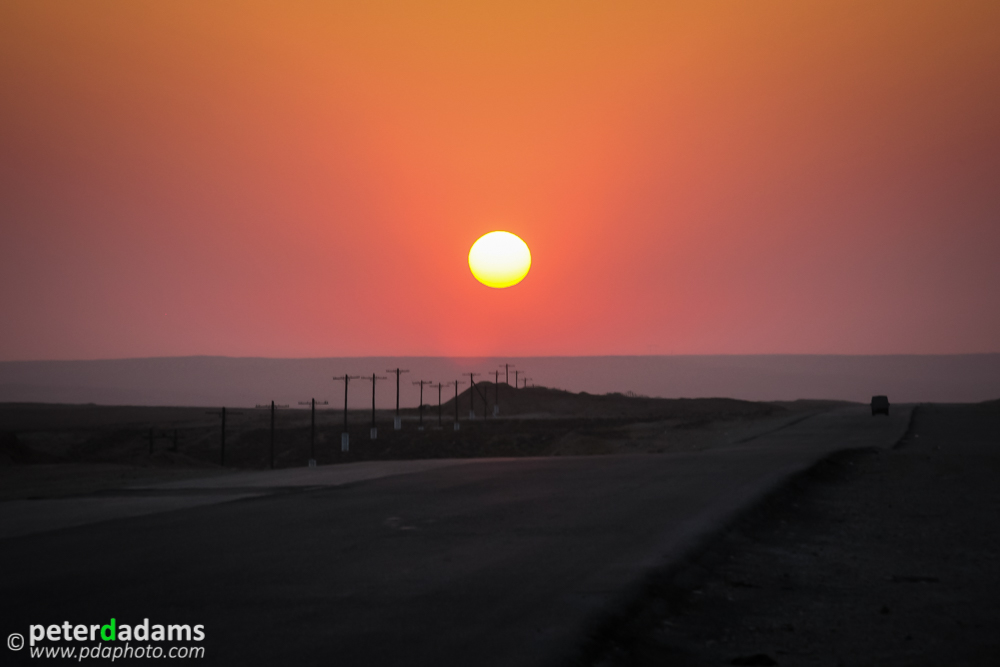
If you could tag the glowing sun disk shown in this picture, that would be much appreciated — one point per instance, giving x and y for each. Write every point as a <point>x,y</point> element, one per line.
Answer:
<point>499,259</point>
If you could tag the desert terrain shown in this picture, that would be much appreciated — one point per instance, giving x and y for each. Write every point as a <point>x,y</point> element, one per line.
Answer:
<point>51,450</point>
<point>569,530</point>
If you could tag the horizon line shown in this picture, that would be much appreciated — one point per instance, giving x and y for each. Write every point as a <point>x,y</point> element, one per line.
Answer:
<point>510,356</point>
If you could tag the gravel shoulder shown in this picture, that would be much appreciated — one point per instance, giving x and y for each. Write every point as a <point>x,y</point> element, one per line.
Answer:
<point>873,557</point>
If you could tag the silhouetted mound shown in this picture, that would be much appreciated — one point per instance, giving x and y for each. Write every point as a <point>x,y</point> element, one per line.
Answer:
<point>545,401</point>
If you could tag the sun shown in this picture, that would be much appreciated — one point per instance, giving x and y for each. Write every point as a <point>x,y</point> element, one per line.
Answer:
<point>499,259</point>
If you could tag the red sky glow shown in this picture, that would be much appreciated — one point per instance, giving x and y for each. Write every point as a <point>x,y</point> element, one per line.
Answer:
<point>297,179</point>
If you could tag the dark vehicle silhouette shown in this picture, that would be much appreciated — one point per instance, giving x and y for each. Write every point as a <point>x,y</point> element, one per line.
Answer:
<point>880,405</point>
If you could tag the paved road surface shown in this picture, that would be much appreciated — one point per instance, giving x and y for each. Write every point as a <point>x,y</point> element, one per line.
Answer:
<point>499,563</point>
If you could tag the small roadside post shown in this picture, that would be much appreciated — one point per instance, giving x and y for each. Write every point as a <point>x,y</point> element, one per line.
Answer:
<point>163,434</point>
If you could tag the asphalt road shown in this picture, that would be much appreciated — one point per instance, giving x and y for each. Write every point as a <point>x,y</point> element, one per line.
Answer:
<point>499,563</point>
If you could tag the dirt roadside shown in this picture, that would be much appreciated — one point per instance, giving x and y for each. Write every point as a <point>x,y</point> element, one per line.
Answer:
<point>871,558</point>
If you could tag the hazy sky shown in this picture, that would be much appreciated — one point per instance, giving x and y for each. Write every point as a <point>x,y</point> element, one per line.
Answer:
<point>306,178</point>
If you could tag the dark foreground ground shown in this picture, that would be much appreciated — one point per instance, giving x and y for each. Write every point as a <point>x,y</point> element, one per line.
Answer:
<point>877,557</point>
<point>489,562</point>
<point>873,557</point>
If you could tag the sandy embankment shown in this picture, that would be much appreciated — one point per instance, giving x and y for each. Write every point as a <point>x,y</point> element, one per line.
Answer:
<point>873,557</point>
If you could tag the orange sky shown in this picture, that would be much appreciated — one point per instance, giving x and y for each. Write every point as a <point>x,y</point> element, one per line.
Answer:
<point>306,179</point>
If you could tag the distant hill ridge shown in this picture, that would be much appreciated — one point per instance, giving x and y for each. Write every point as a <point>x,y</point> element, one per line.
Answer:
<point>546,401</point>
<point>241,381</point>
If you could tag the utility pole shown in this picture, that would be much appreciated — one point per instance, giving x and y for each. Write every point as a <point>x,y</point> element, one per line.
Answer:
<point>422,383</point>
<point>526,382</point>
<point>455,383</point>
<point>516,385</point>
<point>345,438</point>
<point>472,390</point>
<point>439,385</point>
<point>272,406</point>
<point>373,434</point>
<point>312,429</point>
<point>496,388</point>
<point>397,422</point>
<point>222,440</point>
<point>506,373</point>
